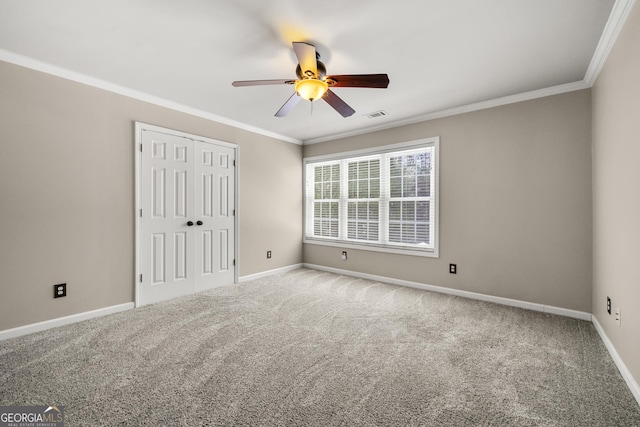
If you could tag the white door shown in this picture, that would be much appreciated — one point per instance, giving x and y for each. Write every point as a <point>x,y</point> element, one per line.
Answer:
<point>214,210</point>
<point>186,227</point>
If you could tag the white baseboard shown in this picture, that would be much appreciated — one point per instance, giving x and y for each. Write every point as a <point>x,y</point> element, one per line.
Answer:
<point>270,272</point>
<point>61,321</point>
<point>465,294</point>
<point>66,320</point>
<point>631,382</point>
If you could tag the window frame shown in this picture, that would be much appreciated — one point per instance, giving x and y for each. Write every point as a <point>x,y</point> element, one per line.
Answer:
<point>345,157</point>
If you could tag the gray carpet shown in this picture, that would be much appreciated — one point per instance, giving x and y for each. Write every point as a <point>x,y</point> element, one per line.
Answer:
<point>314,348</point>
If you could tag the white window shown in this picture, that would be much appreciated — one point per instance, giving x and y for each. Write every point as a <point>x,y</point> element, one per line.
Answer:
<point>384,199</point>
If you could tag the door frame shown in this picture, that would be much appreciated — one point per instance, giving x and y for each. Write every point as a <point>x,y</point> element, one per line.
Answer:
<point>141,127</point>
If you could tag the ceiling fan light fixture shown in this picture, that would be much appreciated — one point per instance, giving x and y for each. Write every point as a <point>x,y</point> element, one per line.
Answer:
<point>311,89</point>
<point>313,82</point>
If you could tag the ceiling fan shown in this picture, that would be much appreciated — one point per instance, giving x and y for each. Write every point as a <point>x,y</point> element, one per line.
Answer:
<point>313,83</point>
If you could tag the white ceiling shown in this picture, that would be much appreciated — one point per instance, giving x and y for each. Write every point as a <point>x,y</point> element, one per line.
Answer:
<point>439,54</point>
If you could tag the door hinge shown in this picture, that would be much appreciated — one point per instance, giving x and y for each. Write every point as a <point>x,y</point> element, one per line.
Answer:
<point>140,213</point>
<point>234,212</point>
<point>141,278</point>
<point>234,163</point>
<point>234,262</point>
<point>141,148</point>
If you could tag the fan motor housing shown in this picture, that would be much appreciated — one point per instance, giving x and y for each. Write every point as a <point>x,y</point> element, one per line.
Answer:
<point>322,71</point>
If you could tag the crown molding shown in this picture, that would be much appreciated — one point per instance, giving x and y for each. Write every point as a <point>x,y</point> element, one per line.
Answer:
<point>483,105</point>
<point>34,64</point>
<point>617,18</point>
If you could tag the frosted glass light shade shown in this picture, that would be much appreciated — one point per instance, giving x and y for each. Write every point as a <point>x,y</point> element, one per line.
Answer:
<point>311,89</point>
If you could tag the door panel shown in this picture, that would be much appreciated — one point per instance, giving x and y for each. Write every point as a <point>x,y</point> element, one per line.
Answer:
<point>207,252</point>
<point>158,254</point>
<point>224,250</point>
<point>212,202</point>
<point>165,239</point>
<point>180,256</point>
<point>226,212</point>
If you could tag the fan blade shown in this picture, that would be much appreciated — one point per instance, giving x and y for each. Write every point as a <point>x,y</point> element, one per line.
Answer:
<point>306,54</point>
<point>360,80</point>
<point>288,106</point>
<point>338,104</point>
<point>262,82</point>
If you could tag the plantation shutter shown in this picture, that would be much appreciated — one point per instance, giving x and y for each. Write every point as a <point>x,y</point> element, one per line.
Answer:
<point>384,200</point>
<point>363,200</point>
<point>410,197</point>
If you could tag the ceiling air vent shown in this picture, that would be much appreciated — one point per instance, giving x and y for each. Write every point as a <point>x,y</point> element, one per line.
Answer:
<point>376,114</point>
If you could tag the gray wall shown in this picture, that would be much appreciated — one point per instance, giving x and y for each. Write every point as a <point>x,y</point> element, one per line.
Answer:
<point>67,194</point>
<point>616,193</point>
<point>515,203</point>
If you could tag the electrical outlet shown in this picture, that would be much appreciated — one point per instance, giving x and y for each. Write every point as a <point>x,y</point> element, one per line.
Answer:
<point>453,268</point>
<point>60,290</point>
<point>618,316</point>
<point>609,306</point>
<point>268,254</point>
<point>344,255</point>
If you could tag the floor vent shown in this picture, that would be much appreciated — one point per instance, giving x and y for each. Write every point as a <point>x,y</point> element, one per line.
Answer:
<point>376,114</point>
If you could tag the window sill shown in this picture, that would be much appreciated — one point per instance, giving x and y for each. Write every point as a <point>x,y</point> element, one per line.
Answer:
<point>429,253</point>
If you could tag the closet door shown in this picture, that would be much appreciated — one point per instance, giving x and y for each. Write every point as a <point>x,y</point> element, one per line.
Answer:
<point>186,224</point>
<point>215,210</point>
<point>166,226</point>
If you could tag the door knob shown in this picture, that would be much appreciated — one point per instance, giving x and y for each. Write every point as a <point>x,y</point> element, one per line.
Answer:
<point>199,223</point>
<point>189,223</point>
